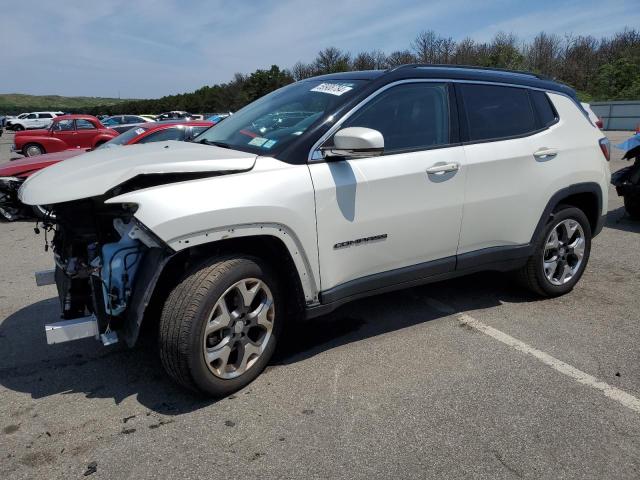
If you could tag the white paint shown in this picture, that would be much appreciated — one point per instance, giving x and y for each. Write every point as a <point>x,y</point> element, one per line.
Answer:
<point>613,393</point>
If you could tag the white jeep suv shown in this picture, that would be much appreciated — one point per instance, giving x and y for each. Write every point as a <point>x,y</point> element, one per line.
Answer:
<point>327,190</point>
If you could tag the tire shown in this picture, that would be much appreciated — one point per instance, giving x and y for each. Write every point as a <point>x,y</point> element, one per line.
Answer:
<point>632,205</point>
<point>32,150</point>
<point>539,273</point>
<point>17,128</point>
<point>186,317</point>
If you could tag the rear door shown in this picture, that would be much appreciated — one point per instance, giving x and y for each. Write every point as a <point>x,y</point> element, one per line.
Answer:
<point>44,120</point>
<point>506,140</point>
<point>380,214</point>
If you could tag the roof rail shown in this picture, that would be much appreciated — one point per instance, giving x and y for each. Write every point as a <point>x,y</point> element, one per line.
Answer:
<point>468,67</point>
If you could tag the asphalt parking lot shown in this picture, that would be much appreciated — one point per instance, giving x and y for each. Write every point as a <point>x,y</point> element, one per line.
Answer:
<point>470,378</point>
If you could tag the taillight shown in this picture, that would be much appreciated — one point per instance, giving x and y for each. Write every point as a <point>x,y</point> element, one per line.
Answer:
<point>605,146</point>
<point>599,123</point>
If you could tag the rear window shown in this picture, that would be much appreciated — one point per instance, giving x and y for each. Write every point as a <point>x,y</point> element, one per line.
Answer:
<point>543,106</point>
<point>497,112</point>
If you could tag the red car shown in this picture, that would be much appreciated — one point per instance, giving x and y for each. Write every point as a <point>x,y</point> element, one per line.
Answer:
<point>13,173</point>
<point>67,132</point>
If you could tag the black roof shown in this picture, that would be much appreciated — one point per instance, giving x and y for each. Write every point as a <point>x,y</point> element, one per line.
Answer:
<point>455,72</point>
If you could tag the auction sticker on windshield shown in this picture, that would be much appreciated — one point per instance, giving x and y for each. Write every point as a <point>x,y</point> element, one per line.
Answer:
<point>332,88</point>
<point>258,141</point>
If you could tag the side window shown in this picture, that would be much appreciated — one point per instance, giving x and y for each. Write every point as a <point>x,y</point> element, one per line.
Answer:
<point>45,115</point>
<point>174,133</point>
<point>63,126</point>
<point>495,112</point>
<point>132,119</point>
<point>544,108</point>
<point>82,124</point>
<point>410,116</point>
<point>31,116</point>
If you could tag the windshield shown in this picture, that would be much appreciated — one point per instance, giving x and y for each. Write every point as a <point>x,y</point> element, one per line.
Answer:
<point>279,118</point>
<point>123,138</point>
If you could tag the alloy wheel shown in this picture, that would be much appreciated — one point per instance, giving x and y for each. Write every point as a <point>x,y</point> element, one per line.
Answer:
<point>563,252</point>
<point>239,328</point>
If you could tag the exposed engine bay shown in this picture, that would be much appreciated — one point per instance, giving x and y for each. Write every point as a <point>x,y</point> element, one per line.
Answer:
<point>99,251</point>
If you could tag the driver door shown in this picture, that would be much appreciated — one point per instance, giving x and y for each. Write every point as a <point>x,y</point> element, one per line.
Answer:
<point>385,220</point>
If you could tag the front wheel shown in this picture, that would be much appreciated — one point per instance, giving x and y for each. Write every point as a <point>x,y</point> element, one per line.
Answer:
<point>632,205</point>
<point>220,324</point>
<point>32,150</point>
<point>561,254</point>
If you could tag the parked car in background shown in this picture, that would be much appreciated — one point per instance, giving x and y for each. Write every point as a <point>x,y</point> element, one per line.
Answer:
<point>597,121</point>
<point>13,174</point>
<point>218,117</point>
<point>115,120</point>
<point>65,133</point>
<point>150,118</point>
<point>34,120</point>
<point>122,123</point>
<point>176,115</point>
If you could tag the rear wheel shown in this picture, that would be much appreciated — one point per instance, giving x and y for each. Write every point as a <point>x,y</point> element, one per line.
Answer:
<point>220,324</point>
<point>32,150</point>
<point>561,254</point>
<point>632,205</point>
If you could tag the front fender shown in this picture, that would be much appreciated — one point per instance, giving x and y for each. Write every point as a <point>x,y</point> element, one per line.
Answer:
<point>274,198</point>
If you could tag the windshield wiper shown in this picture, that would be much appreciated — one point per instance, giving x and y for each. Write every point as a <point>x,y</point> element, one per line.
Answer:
<point>217,144</point>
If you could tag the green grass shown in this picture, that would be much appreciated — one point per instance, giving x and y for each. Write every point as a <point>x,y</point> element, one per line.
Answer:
<point>12,103</point>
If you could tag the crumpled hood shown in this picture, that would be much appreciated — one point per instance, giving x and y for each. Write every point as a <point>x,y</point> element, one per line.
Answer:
<point>24,166</point>
<point>96,172</point>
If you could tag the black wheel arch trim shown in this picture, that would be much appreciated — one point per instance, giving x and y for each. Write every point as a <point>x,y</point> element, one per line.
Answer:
<point>556,199</point>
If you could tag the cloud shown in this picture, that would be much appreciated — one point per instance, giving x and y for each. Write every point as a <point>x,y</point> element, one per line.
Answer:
<point>150,48</point>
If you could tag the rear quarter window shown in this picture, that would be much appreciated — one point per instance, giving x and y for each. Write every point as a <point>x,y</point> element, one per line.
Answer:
<point>493,112</point>
<point>546,113</point>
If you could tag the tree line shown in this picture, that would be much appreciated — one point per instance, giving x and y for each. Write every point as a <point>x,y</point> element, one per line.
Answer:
<point>605,68</point>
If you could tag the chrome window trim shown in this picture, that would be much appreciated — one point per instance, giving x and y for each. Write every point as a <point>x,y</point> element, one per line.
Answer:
<point>313,158</point>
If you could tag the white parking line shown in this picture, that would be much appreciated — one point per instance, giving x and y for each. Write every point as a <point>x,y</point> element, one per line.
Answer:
<point>620,396</point>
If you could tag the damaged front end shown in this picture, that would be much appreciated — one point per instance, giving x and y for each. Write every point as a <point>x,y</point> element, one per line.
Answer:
<point>10,207</point>
<point>107,264</point>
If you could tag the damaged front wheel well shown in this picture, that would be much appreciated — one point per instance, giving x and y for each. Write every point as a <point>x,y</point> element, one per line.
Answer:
<point>268,248</point>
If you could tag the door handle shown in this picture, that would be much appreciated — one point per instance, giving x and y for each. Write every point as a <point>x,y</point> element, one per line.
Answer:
<point>443,168</point>
<point>545,153</point>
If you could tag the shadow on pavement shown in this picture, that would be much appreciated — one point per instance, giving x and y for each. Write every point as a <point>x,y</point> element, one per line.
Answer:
<point>31,366</point>
<point>618,219</point>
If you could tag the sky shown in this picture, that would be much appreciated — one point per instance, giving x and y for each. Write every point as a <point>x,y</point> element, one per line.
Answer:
<point>151,48</point>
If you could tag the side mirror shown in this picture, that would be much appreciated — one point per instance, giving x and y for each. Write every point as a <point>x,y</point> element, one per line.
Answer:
<point>355,142</point>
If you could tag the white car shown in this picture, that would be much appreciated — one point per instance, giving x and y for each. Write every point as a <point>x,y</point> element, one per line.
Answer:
<point>34,120</point>
<point>330,189</point>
